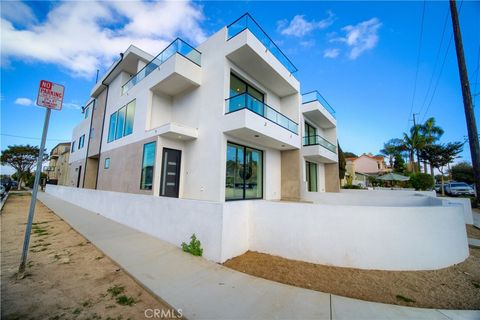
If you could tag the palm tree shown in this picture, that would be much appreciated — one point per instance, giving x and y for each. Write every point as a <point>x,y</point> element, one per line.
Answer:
<point>391,148</point>
<point>413,143</point>
<point>431,133</point>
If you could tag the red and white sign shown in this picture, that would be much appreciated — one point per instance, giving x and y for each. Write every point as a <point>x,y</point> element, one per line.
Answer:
<point>50,95</point>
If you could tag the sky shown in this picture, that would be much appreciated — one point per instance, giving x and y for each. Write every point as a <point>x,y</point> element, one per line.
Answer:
<point>376,63</point>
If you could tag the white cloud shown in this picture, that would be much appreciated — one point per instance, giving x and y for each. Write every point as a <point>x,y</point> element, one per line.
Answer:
<point>299,26</point>
<point>307,43</point>
<point>360,37</point>
<point>24,101</point>
<point>71,105</point>
<point>85,36</point>
<point>331,53</point>
<point>17,12</point>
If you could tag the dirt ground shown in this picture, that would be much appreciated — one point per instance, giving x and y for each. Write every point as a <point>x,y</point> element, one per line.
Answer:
<point>456,287</point>
<point>67,277</point>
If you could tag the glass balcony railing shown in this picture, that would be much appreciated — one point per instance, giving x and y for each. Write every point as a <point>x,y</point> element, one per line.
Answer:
<point>247,22</point>
<point>317,140</point>
<point>246,101</point>
<point>316,96</point>
<point>177,46</point>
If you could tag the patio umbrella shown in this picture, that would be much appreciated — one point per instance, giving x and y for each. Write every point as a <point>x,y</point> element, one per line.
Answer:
<point>393,177</point>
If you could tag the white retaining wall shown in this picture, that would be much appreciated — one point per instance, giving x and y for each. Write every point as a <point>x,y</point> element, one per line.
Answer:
<point>368,237</point>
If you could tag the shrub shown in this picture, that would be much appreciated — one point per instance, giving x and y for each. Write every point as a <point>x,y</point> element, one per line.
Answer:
<point>351,186</point>
<point>421,181</point>
<point>194,247</point>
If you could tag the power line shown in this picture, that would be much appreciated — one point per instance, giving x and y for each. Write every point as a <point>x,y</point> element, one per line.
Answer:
<point>418,62</point>
<point>436,61</point>
<point>438,78</point>
<point>441,70</point>
<point>32,138</point>
<point>477,71</point>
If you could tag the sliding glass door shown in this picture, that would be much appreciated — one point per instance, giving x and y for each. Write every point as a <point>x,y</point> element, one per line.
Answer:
<point>244,178</point>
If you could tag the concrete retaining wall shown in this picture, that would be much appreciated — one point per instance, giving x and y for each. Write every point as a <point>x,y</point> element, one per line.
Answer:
<point>385,238</point>
<point>369,237</point>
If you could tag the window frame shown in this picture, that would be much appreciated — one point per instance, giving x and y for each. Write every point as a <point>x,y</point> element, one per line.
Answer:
<point>143,161</point>
<point>105,165</point>
<point>308,165</point>
<point>244,162</point>
<point>247,86</point>
<point>113,125</point>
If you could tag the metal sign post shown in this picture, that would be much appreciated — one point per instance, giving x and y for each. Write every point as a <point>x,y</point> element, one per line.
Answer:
<point>50,96</point>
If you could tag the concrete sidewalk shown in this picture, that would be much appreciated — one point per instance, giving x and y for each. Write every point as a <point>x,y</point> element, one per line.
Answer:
<point>206,290</point>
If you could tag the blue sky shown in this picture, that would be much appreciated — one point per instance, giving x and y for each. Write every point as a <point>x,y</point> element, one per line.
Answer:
<point>361,56</point>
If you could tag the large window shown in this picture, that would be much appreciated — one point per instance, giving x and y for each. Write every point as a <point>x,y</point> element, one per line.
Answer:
<point>312,176</point>
<point>148,163</point>
<point>238,86</point>
<point>121,122</point>
<point>81,142</point>
<point>244,178</point>
<point>310,134</point>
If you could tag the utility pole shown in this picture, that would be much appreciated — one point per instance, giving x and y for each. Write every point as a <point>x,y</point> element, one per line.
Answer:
<point>416,131</point>
<point>467,99</point>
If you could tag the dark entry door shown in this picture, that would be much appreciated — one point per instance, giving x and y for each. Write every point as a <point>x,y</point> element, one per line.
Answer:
<point>79,175</point>
<point>170,173</point>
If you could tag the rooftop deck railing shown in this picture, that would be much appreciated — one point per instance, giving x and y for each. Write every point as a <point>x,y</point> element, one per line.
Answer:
<point>318,140</point>
<point>246,101</point>
<point>177,46</point>
<point>316,96</point>
<point>247,22</point>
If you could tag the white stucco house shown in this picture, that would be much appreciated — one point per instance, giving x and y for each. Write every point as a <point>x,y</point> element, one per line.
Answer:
<point>223,121</point>
<point>168,141</point>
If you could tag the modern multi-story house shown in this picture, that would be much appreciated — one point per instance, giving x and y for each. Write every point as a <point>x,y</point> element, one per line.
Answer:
<point>222,121</point>
<point>57,170</point>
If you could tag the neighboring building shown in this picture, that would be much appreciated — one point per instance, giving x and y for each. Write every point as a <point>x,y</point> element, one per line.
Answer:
<point>223,121</point>
<point>359,169</point>
<point>57,170</point>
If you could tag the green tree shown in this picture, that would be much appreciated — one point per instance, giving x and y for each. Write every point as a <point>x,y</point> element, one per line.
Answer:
<point>391,148</point>
<point>413,143</point>
<point>431,134</point>
<point>422,181</point>
<point>341,163</point>
<point>348,154</point>
<point>462,171</point>
<point>399,164</point>
<point>441,155</point>
<point>22,158</point>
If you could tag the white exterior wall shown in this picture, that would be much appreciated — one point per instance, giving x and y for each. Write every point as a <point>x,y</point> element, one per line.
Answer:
<point>362,236</point>
<point>365,237</point>
<point>83,128</point>
<point>202,174</point>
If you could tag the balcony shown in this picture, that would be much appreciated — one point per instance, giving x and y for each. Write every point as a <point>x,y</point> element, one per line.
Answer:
<point>318,149</point>
<point>316,108</point>
<point>176,131</point>
<point>176,69</point>
<point>251,49</point>
<point>250,119</point>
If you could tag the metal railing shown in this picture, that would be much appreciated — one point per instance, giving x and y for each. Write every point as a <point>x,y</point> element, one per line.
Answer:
<point>247,22</point>
<point>177,46</point>
<point>247,101</point>
<point>316,96</point>
<point>318,140</point>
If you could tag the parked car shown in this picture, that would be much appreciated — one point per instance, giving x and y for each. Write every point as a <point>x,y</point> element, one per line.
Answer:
<point>459,189</point>
<point>3,192</point>
<point>438,187</point>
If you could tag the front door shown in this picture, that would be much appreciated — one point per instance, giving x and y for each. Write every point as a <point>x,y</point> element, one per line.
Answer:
<point>170,173</point>
<point>79,175</point>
